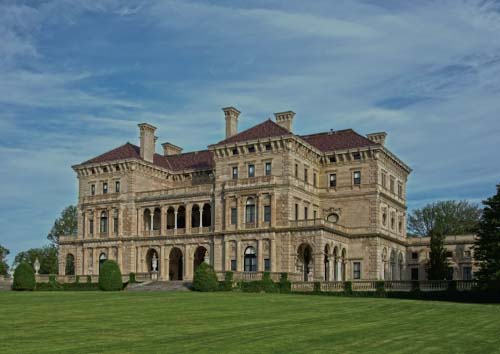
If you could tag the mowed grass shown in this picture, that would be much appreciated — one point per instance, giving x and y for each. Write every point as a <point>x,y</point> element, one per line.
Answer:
<point>91,322</point>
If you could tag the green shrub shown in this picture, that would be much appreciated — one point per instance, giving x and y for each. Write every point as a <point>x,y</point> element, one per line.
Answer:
<point>380,286</point>
<point>110,277</point>
<point>89,279</point>
<point>131,278</point>
<point>205,279</point>
<point>77,279</point>
<point>285,286</point>
<point>348,287</point>
<point>259,286</point>
<point>24,278</point>
<point>317,287</point>
<point>415,285</point>
<point>227,284</point>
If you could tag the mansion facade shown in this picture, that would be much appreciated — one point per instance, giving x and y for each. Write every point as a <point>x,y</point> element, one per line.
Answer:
<point>322,207</point>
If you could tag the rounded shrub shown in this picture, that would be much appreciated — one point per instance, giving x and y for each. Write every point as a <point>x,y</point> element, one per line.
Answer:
<point>110,277</point>
<point>205,278</point>
<point>24,278</point>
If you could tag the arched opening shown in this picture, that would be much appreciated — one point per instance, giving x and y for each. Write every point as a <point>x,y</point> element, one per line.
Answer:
<point>152,260</point>
<point>175,264</point>
<point>147,220</point>
<point>181,217</point>
<point>250,261</point>
<point>305,261</point>
<point>336,264</point>
<point>170,218</point>
<point>250,211</point>
<point>342,264</point>
<point>157,219</point>
<point>102,258</point>
<point>195,216</point>
<point>70,264</point>
<point>327,262</point>
<point>200,256</point>
<point>104,222</point>
<point>207,215</point>
<point>393,265</point>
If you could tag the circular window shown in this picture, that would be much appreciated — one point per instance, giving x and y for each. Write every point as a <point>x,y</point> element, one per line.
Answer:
<point>333,218</point>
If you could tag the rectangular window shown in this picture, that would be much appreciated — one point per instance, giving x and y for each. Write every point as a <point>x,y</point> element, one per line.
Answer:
<point>314,179</point>
<point>267,265</point>
<point>296,171</point>
<point>356,267</point>
<point>92,189</point>
<point>306,213</point>
<point>251,149</point>
<point>115,225</point>
<point>268,168</point>
<point>235,172</point>
<point>268,147</point>
<point>400,190</point>
<point>267,213</point>
<point>356,156</point>
<point>251,171</point>
<point>104,188</point>
<point>315,215</point>
<point>392,185</point>
<point>235,152</point>
<point>332,159</point>
<point>296,212</point>
<point>357,178</point>
<point>467,273</point>
<point>414,274</point>
<point>384,180</point>
<point>306,175</point>
<point>414,255</point>
<point>234,216</point>
<point>250,264</point>
<point>91,226</point>
<point>117,187</point>
<point>233,265</point>
<point>333,180</point>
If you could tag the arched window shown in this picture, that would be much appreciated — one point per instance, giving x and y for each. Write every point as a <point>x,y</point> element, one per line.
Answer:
<point>181,217</point>
<point>104,222</point>
<point>250,211</point>
<point>195,216</point>
<point>250,260</point>
<point>157,219</point>
<point>70,265</point>
<point>207,215</point>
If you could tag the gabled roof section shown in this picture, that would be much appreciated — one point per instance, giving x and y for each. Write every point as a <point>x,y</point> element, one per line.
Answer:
<point>197,160</point>
<point>266,129</point>
<point>337,140</point>
<point>127,151</point>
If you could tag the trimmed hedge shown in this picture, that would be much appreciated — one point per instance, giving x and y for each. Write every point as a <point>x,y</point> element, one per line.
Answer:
<point>67,287</point>
<point>24,278</point>
<point>285,285</point>
<point>110,277</point>
<point>205,279</point>
<point>227,284</point>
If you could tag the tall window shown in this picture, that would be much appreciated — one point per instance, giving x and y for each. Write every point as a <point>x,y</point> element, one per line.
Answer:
<point>467,273</point>
<point>296,170</point>
<point>251,170</point>
<point>233,265</point>
<point>314,179</point>
<point>104,222</point>
<point>296,212</point>
<point>356,267</point>
<point>117,186</point>
<point>250,211</point>
<point>400,190</point>
<point>392,185</point>
<point>384,180</point>
<point>92,189</point>
<point>235,172</point>
<point>306,175</point>
<point>250,260</point>
<point>357,177</point>
<point>267,213</point>
<point>333,180</point>
<point>315,214</point>
<point>105,188</point>
<point>268,168</point>
<point>91,226</point>
<point>306,213</point>
<point>267,264</point>
<point>234,216</point>
<point>115,222</point>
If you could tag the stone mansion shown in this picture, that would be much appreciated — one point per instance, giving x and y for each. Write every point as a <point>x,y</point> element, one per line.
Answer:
<point>329,206</point>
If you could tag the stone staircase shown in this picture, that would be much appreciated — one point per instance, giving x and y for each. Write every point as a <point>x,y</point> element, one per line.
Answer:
<point>159,286</point>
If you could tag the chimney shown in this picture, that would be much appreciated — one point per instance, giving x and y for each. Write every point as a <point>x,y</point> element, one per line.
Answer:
<point>285,119</point>
<point>171,149</point>
<point>378,138</point>
<point>148,139</point>
<point>231,115</point>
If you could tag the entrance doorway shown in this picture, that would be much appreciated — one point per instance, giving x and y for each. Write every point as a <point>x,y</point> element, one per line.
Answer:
<point>175,264</point>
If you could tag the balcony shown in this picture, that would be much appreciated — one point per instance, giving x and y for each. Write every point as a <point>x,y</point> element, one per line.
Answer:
<point>100,198</point>
<point>174,193</point>
<point>250,182</point>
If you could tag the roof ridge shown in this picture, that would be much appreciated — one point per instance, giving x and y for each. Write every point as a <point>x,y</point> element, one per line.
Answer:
<point>256,126</point>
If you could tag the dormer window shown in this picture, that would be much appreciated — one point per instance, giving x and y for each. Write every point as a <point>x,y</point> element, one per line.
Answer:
<point>251,149</point>
<point>104,169</point>
<point>333,180</point>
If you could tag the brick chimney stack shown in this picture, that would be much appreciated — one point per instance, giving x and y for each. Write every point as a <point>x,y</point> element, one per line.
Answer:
<point>285,119</point>
<point>148,140</point>
<point>378,138</point>
<point>231,115</point>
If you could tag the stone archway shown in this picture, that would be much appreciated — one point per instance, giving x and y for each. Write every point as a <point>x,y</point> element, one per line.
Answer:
<point>305,261</point>
<point>176,261</point>
<point>200,256</point>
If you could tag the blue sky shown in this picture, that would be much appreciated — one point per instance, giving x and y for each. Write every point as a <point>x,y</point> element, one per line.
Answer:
<point>77,76</point>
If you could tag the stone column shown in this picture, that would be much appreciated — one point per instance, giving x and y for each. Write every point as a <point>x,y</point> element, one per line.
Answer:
<point>273,256</point>
<point>239,257</point>
<point>260,255</point>
<point>163,228</point>
<point>257,211</point>
<point>227,259</point>
<point>138,260</point>
<point>201,217</point>
<point>119,258</point>
<point>152,216</point>
<point>95,259</point>
<point>166,262</point>
<point>175,219</point>
<point>162,265</point>
<point>188,218</point>
<point>97,224</point>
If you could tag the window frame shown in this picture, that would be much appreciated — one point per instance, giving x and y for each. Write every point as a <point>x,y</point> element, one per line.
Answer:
<point>234,216</point>
<point>334,175</point>
<point>268,168</point>
<point>233,174</point>
<point>356,180</point>
<point>251,167</point>
<point>356,273</point>
<point>105,188</point>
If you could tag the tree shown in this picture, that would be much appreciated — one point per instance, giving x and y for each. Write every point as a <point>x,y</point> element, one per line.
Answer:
<point>66,224</point>
<point>110,277</point>
<point>487,248</point>
<point>458,218</point>
<point>438,265</point>
<point>24,277</point>
<point>47,256</point>
<point>205,278</point>
<point>4,267</point>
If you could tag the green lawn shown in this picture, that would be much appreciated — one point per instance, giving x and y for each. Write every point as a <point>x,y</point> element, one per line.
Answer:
<point>89,322</point>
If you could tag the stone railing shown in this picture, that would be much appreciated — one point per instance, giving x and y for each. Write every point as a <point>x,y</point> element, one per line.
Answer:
<point>252,276</point>
<point>175,192</point>
<point>251,181</point>
<point>332,286</point>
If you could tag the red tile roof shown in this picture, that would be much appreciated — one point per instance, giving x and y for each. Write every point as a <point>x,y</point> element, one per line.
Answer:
<point>197,160</point>
<point>337,140</point>
<point>266,129</point>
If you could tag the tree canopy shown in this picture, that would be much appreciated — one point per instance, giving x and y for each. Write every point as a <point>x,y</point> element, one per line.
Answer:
<point>47,256</point>
<point>456,218</point>
<point>66,224</point>
<point>4,267</point>
<point>487,248</point>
